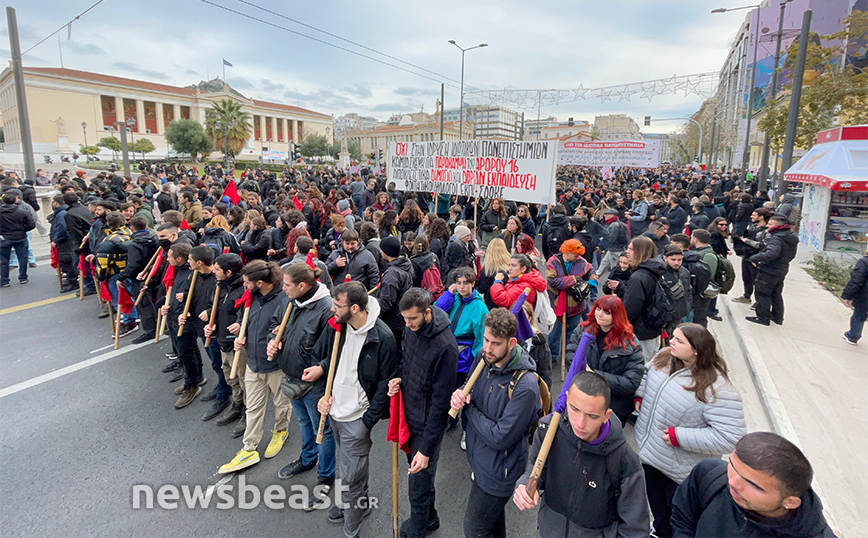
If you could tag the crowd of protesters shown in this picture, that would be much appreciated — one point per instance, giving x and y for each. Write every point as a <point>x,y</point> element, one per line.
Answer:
<point>333,294</point>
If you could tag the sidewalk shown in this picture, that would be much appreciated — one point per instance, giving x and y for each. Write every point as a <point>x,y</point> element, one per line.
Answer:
<point>812,385</point>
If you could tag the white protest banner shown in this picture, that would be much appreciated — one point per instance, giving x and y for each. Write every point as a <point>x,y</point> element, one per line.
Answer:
<point>634,153</point>
<point>274,155</point>
<point>520,171</point>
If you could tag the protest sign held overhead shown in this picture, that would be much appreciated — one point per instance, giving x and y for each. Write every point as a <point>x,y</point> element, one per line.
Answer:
<point>520,171</point>
<point>633,153</point>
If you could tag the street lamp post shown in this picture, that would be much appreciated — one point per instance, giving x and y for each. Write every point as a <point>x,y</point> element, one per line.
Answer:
<point>130,122</point>
<point>763,179</point>
<point>86,152</point>
<point>461,104</point>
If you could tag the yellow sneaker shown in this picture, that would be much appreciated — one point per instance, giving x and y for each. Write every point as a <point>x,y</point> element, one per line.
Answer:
<point>242,460</point>
<point>276,443</point>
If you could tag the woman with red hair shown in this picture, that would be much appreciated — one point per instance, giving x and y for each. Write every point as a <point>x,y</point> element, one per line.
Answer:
<point>564,271</point>
<point>613,352</point>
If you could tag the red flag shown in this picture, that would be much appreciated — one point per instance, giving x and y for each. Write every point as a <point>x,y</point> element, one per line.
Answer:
<point>82,264</point>
<point>561,305</point>
<point>398,430</point>
<point>333,323</point>
<point>169,277</point>
<point>125,302</point>
<point>184,225</point>
<point>55,262</point>
<point>157,263</point>
<point>232,192</point>
<point>104,292</point>
<point>297,203</point>
<point>309,260</point>
<point>245,301</point>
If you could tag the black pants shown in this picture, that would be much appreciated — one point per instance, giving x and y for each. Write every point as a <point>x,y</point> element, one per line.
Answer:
<point>422,495</point>
<point>748,275</point>
<point>64,261</point>
<point>770,297</point>
<point>660,490</point>
<point>146,308</point>
<point>187,347</point>
<point>485,515</point>
<point>700,311</point>
<point>399,339</point>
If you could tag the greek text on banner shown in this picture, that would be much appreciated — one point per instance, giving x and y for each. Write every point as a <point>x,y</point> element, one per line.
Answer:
<point>635,153</point>
<point>520,171</point>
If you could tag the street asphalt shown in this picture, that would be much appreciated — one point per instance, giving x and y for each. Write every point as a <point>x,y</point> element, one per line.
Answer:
<point>76,441</point>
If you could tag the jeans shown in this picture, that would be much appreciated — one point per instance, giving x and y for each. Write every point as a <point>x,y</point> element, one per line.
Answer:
<point>308,418</point>
<point>6,247</point>
<point>857,323</point>
<point>420,487</point>
<point>31,258</point>
<point>485,515</point>
<point>712,307</point>
<point>113,289</point>
<point>213,351</point>
<point>661,490</point>
<point>555,337</point>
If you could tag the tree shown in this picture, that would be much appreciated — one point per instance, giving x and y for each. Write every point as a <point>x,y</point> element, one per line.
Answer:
<point>227,119</point>
<point>314,145</point>
<point>88,150</point>
<point>352,146</point>
<point>187,136</point>
<point>143,145</point>
<point>595,132</point>
<point>112,144</point>
<point>834,90</point>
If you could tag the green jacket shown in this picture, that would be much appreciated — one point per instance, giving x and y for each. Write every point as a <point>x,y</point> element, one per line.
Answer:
<point>709,257</point>
<point>144,211</point>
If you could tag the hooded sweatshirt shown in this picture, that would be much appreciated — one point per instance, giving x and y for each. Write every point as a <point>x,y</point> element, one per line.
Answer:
<point>350,399</point>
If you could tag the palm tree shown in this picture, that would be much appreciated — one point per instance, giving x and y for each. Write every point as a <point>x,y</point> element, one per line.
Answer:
<point>226,124</point>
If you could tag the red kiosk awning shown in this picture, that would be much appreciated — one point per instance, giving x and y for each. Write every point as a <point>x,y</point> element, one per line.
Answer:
<point>839,161</point>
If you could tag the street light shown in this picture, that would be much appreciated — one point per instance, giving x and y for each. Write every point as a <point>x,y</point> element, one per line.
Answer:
<point>461,105</point>
<point>745,157</point>
<point>130,122</point>
<point>86,152</point>
<point>763,179</point>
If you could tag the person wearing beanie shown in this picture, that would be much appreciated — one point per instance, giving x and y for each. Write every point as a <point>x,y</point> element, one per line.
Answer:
<point>566,270</point>
<point>396,280</point>
<point>458,251</point>
<point>347,212</point>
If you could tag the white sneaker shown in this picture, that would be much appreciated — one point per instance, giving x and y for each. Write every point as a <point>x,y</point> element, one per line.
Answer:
<point>464,441</point>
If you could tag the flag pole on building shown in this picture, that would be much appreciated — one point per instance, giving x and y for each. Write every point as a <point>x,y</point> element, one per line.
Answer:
<point>225,63</point>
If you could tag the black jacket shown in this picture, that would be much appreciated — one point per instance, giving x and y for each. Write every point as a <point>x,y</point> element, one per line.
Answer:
<point>221,239</point>
<point>230,291</point>
<point>259,328</point>
<point>361,266</point>
<point>28,194</point>
<point>308,319</point>
<point>677,218</point>
<point>427,373</point>
<point>778,252</point>
<point>257,245</point>
<point>457,255</point>
<point>78,220</point>
<point>15,222</point>
<point>378,363</point>
<point>491,219</point>
<point>555,232</point>
<point>421,263</point>
<point>703,506</point>
<point>622,368</point>
<point>165,202</point>
<point>856,289</point>
<point>615,237</point>
<point>140,248</point>
<point>203,300</point>
<point>639,294</point>
<point>181,284</point>
<point>394,283</point>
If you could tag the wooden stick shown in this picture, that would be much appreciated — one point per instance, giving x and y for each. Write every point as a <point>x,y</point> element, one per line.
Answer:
<point>187,303</point>
<point>540,462</point>
<point>241,334</point>
<point>329,381</point>
<point>394,489</point>
<point>59,276</point>
<point>117,327</point>
<point>81,285</point>
<point>564,344</point>
<point>282,327</point>
<point>374,289</point>
<point>162,324</point>
<point>111,317</point>
<point>470,382</point>
<point>147,280</point>
<point>213,313</point>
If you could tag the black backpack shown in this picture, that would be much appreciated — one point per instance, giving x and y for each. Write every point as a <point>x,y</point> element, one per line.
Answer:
<point>662,311</point>
<point>555,238</point>
<point>700,275</point>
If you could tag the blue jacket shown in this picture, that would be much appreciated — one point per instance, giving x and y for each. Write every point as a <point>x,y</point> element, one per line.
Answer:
<point>59,232</point>
<point>470,323</point>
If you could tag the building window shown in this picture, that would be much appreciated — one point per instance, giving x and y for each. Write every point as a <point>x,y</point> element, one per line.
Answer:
<point>268,129</point>
<point>168,114</point>
<point>130,111</point>
<point>257,132</point>
<point>185,113</point>
<point>109,114</point>
<point>280,129</point>
<point>150,117</point>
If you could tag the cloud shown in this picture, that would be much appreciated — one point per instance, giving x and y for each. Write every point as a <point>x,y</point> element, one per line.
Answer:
<point>270,86</point>
<point>239,83</point>
<point>191,72</point>
<point>84,48</point>
<point>361,90</point>
<point>136,70</point>
<point>413,92</point>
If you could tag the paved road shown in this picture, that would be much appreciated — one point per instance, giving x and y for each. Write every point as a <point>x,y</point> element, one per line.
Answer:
<point>75,445</point>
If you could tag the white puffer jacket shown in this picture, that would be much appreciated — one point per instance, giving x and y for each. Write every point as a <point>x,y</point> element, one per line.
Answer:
<point>702,430</point>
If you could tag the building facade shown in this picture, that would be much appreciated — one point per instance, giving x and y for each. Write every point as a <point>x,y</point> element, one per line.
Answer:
<point>617,127</point>
<point>352,121</point>
<point>491,122</point>
<point>378,139</point>
<point>69,107</point>
<point>665,153</point>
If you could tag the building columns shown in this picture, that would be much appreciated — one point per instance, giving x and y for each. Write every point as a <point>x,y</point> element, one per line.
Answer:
<point>160,127</point>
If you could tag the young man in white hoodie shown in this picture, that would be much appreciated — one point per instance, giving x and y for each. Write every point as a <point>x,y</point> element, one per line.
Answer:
<point>367,359</point>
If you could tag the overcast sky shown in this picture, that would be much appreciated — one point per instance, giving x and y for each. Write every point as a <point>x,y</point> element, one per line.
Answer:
<point>547,44</point>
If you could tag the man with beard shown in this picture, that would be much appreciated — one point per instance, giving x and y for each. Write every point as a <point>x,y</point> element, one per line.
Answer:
<point>751,243</point>
<point>353,259</point>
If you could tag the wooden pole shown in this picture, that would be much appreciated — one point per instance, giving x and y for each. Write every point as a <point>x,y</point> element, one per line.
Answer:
<point>117,325</point>
<point>187,303</point>
<point>329,381</point>
<point>213,313</point>
<point>162,324</point>
<point>564,344</point>
<point>540,462</point>
<point>394,489</point>
<point>282,327</point>
<point>374,289</point>
<point>59,276</point>
<point>147,280</point>
<point>111,317</point>
<point>241,334</point>
<point>81,285</point>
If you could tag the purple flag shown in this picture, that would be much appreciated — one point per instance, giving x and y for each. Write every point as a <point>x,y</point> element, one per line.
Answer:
<point>580,361</point>
<point>524,331</point>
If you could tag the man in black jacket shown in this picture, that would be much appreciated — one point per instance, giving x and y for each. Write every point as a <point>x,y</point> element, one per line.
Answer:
<point>426,378</point>
<point>397,279</point>
<point>351,258</point>
<point>772,265</point>
<point>15,222</point>
<point>764,490</point>
<point>140,248</point>
<point>556,231</point>
<point>750,243</point>
<point>60,240</point>
<point>366,361</point>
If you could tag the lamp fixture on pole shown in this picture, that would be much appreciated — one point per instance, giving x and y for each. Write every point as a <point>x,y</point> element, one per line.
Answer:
<point>461,105</point>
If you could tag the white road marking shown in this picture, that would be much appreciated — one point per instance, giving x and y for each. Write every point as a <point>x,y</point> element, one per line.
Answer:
<point>101,349</point>
<point>219,483</point>
<point>30,383</point>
